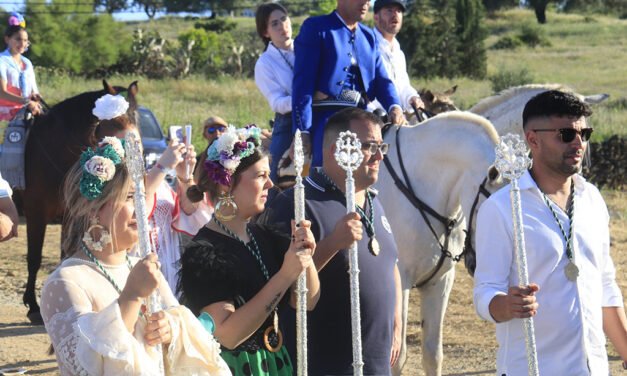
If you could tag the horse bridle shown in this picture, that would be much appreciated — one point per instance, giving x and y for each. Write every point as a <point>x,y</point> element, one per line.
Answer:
<point>468,247</point>
<point>424,209</point>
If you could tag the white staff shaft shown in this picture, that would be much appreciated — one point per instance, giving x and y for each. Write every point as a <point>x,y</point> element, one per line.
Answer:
<point>188,141</point>
<point>301,287</point>
<point>523,275</point>
<point>136,166</point>
<point>353,271</point>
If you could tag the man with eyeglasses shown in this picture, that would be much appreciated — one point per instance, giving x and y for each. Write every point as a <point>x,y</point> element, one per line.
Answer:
<point>573,296</point>
<point>330,339</point>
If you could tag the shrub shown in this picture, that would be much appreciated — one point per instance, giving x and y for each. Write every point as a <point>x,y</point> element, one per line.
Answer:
<point>533,36</point>
<point>504,79</point>
<point>508,42</point>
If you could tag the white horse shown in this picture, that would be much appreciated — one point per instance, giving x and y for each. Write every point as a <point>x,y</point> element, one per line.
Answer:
<point>446,159</point>
<point>505,109</point>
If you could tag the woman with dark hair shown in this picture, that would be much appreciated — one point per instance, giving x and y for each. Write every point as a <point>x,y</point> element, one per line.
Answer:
<point>235,274</point>
<point>18,87</point>
<point>273,75</point>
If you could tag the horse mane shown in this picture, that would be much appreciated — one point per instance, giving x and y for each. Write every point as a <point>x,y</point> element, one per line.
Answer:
<point>475,119</point>
<point>507,94</point>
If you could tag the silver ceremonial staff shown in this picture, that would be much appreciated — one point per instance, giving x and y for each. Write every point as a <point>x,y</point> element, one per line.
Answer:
<point>135,164</point>
<point>349,156</point>
<point>512,161</point>
<point>301,285</point>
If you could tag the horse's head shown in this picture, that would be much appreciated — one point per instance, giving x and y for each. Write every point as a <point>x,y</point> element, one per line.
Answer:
<point>120,123</point>
<point>437,103</point>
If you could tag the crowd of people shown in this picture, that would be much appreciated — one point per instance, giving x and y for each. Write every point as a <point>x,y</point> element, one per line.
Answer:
<point>226,298</point>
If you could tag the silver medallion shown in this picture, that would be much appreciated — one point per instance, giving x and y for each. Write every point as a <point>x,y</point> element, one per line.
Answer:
<point>373,246</point>
<point>571,271</point>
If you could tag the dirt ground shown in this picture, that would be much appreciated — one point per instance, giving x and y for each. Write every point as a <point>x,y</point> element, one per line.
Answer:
<point>469,343</point>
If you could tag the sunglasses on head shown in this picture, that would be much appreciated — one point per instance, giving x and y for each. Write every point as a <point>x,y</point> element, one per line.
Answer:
<point>212,129</point>
<point>372,147</point>
<point>568,134</point>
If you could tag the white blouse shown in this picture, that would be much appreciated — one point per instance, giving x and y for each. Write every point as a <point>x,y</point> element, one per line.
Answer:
<point>274,72</point>
<point>83,319</point>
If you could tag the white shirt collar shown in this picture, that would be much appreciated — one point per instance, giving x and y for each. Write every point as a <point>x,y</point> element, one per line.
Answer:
<point>526,182</point>
<point>393,46</point>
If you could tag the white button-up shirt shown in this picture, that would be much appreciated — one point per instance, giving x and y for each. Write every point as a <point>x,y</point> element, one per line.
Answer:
<point>569,323</point>
<point>396,66</point>
<point>273,76</point>
<point>5,189</point>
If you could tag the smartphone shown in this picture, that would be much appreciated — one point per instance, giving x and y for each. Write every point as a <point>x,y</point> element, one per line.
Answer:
<point>176,133</point>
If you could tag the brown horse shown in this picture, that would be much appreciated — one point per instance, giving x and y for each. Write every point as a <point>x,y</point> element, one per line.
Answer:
<point>54,144</point>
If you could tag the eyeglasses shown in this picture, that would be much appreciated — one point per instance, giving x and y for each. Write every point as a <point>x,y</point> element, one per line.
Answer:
<point>372,147</point>
<point>212,129</point>
<point>568,134</point>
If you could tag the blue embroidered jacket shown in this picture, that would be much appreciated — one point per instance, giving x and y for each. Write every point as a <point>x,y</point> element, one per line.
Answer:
<point>323,59</point>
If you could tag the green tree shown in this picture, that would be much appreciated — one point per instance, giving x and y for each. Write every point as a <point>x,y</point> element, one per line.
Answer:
<point>429,40</point>
<point>68,37</point>
<point>151,7</point>
<point>471,34</point>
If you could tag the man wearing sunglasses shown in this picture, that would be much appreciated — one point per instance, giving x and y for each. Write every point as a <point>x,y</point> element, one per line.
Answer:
<point>330,339</point>
<point>573,296</point>
<point>213,128</point>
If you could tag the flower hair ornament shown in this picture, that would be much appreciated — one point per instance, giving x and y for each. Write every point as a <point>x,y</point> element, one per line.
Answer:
<point>109,107</point>
<point>99,164</point>
<point>16,19</point>
<point>227,151</point>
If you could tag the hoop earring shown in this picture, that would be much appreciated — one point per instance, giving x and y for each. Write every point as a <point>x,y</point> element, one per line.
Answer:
<point>225,209</point>
<point>105,236</point>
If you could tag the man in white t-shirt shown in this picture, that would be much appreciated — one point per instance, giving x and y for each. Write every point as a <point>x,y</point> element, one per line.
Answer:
<point>388,20</point>
<point>8,213</point>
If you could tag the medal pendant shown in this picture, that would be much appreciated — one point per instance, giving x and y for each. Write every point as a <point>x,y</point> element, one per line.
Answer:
<point>571,271</point>
<point>373,246</point>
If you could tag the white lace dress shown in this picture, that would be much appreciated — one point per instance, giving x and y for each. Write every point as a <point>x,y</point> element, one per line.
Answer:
<point>167,222</point>
<point>82,317</point>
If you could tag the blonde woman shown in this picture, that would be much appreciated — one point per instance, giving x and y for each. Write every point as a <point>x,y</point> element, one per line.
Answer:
<point>92,304</point>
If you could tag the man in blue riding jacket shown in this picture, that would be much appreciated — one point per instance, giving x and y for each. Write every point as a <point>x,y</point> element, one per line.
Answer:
<point>338,65</point>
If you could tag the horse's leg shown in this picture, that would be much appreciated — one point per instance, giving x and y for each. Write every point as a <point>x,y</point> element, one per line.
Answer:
<point>403,355</point>
<point>35,233</point>
<point>433,302</point>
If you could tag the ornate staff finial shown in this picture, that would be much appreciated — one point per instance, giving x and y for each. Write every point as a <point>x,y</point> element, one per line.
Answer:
<point>512,157</point>
<point>348,151</point>
<point>512,160</point>
<point>349,156</point>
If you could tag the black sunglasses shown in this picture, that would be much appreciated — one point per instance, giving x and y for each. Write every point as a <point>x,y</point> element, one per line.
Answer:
<point>214,128</point>
<point>568,134</point>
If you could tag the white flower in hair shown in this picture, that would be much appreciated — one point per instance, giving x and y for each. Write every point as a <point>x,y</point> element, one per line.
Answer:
<point>115,143</point>
<point>100,167</point>
<point>110,106</point>
<point>230,164</point>
<point>226,142</point>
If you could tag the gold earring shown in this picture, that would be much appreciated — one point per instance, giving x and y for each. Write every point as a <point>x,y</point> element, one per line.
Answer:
<point>226,208</point>
<point>105,236</point>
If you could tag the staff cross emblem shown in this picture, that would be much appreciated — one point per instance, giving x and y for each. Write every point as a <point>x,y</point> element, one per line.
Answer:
<point>348,151</point>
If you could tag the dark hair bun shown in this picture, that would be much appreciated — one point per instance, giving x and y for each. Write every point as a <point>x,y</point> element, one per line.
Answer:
<point>195,194</point>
